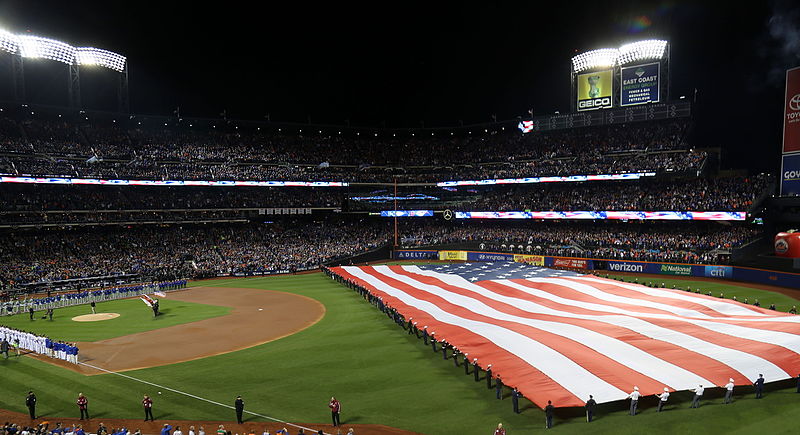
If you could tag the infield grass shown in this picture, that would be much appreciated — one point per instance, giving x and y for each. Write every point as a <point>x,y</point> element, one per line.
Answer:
<point>134,316</point>
<point>381,375</point>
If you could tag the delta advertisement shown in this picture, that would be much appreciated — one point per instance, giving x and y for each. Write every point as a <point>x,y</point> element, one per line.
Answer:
<point>791,112</point>
<point>790,175</point>
<point>640,84</point>
<point>595,90</point>
<point>416,255</point>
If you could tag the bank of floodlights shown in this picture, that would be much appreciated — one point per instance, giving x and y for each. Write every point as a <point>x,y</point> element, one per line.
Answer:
<point>628,53</point>
<point>642,50</point>
<point>100,57</point>
<point>37,47</point>
<point>604,57</point>
<point>8,42</point>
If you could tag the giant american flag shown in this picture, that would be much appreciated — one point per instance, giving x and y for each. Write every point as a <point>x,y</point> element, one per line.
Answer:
<point>561,336</point>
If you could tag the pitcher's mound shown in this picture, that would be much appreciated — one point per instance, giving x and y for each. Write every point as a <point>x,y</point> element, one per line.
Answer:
<point>95,317</point>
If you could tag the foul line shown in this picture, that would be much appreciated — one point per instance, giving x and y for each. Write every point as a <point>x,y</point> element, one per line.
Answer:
<point>200,398</point>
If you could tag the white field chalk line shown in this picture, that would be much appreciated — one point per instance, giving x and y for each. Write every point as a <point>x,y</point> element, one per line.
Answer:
<point>200,398</point>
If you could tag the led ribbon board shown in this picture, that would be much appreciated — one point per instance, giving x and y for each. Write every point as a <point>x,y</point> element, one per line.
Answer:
<point>571,178</point>
<point>406,213</point>
<point>611,215</point>
<point>100,182</point>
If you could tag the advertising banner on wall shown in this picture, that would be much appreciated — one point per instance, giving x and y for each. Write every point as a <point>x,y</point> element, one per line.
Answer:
<point>572,263</point>
<point>416,255</point>
<point>595,90</point>
<point>640,84</point>
<point>489,256</point>
<point>791,112</point>
<point>453,255</point>
<point>719,271</point>
<point>533,260</point>
<point>676,269</point>
<point>790,175</point>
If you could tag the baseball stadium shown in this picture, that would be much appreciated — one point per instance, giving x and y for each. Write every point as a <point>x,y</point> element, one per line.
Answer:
<point>605,252</point>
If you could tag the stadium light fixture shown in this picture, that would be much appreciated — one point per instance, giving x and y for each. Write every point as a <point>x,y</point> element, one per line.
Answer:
<point>604,57</point>
<point>642,50</point>
<point>36,47</point>
<point>100,57</point>
<point>8,42</point>
<point>626,54</point>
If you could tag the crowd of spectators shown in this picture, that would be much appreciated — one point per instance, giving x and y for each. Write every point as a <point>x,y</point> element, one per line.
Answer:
<point>181,251</point>
<point>697,194</point>
<point>207,250</point>
<point>690,243</point>
<point>58,148</point>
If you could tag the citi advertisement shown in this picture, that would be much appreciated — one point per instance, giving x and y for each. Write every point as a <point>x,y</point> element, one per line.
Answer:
<point>790,175</point>
<point>719,271</point>
<point>640,84</point>
<point>595,90</point>
<point>791,112</point>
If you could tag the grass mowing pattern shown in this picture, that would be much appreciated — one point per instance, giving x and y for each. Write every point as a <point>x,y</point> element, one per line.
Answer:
<point>380,374</point>
<point>134,317</point>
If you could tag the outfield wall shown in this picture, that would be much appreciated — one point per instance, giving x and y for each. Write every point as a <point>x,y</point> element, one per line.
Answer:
<point>760,276</point>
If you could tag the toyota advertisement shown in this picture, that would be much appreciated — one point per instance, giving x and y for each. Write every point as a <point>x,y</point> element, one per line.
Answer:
<point>791,112</point>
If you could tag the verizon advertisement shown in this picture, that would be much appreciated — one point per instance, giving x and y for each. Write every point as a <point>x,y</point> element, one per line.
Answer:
<point>791,112</point>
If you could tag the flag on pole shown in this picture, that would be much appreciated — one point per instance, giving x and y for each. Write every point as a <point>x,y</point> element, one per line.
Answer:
<point>561,336</point>
<point>160,294</point>
<point>147,300</point>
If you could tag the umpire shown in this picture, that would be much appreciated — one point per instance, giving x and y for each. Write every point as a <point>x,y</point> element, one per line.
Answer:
<point>30,402</point>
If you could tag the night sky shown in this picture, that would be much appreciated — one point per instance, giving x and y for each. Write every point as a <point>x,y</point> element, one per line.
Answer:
<point>441,63</point>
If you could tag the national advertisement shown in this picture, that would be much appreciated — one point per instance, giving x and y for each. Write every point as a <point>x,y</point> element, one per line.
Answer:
<point>640,84</point>
<point>595,90</point>
<point>791,112</point>
<point>533,260</point>
<point>676,269</point>
<point>790,175</point>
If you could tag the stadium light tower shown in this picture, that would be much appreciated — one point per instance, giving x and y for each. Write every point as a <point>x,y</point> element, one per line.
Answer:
<point>638,53</point>
<point>26,46</point>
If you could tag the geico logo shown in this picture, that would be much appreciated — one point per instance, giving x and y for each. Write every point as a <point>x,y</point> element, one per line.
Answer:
<point>597,102</point>
<point>791,174</point>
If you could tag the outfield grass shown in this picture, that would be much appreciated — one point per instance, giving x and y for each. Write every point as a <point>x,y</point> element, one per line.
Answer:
<point>134,316</point>
<point>380,374</point>
<point>728,288</point>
